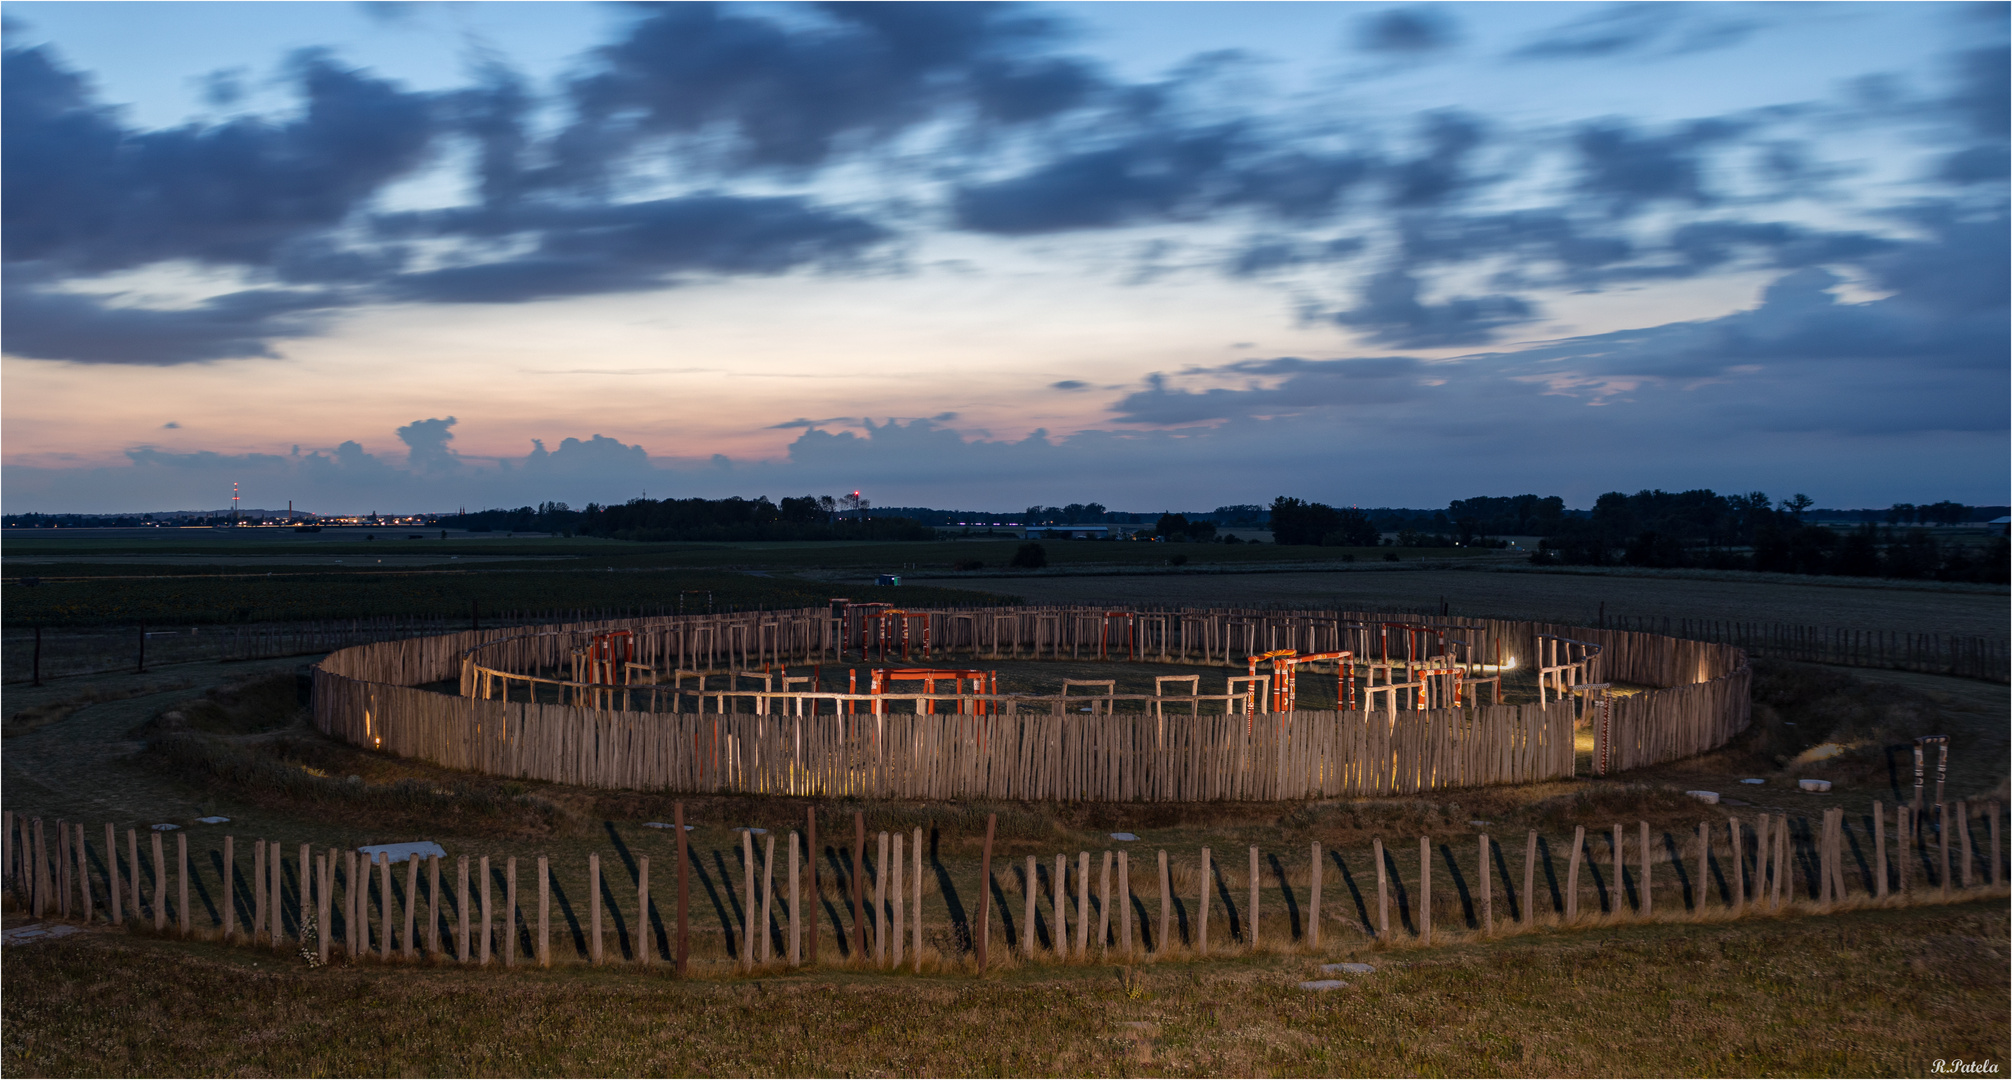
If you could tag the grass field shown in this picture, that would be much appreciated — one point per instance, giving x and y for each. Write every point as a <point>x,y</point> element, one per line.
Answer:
<point>1871,993</point>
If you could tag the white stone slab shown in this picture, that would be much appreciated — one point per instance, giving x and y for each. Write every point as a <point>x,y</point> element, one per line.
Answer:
<point>166,828</point>
<point>398,853</point>
<point>1349,968</point>
<point>1817,786</point>
<point>1704,796</point>
<point>1123,836</point>
<point>1323,984</point>
<point>33,932</point>
<point>1755,780</point>
<point>212,820</point>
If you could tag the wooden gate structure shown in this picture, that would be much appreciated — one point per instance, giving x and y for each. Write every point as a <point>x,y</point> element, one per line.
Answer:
<point>393,696</point>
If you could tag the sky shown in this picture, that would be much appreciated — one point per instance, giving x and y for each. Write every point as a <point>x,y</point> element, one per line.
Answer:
<point>413,256</point>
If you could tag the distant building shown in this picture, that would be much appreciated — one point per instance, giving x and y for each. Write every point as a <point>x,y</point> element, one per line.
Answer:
<point>1068,532</point>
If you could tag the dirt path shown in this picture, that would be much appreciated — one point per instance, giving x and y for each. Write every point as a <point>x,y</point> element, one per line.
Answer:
<point>80,767</point>
<point>1562,597</point>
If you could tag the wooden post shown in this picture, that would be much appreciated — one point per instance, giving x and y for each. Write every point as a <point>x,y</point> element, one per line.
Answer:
<point>544,912</point>
<point>795,906</point>
<point>411,944</point>
<point>1905,822</point>
<point>810,855</point>
<point>1739,866</point>
<point>461,941</point>
<point>132,870</point>
<point>857,885</point>
<point>900,926</point>
<point>594,907</point>
<point>1166,904</point>
<point>510,912</point>
<point>985,891</point>
<point>306,908</point>
<point>1879,850</point>
<point>1704,861</point>
<point>1425,890</point>
<point>230,886</point>
<point>258,891</point>
<point>161,883</point>
<point>1572,874</point>
<point>182,885</point>
<point>768,896</point>
<point>682,958</point>
<point>1030,892</point>
<point>350,907</point>
<point>1125,903</point>
<point>1059,883</point>
<point>1202,937</point>
<point>433,907</point>
<point>324,876</point>
<point>112,896</point>
<point>483,951</point>
<point>1487,891</point>
<point>1083,904</point>
<point>1997,858</point>
<point>1942,836</point>
<point>880,904</point>
<point>1313,900</point>
<point>1103,907</point>
<point>915,921</point>
<point>1620,893</point>
<point>83,861</point>
<point>1251,937</point>
<point>1529,903</point>
<point>1962,833</point>
<point>646,946</point>
<point>1382,889</point>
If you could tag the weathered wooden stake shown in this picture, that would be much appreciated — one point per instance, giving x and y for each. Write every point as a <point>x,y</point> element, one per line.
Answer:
<point>1382,889</point>
<point>1202,935</point>
<point>682,958</point>
<point>230,886</point>
<point>483,951</point>
<point>898,865</point>
<point>1166,905</point>
<point>1529,901</point>
<point>1251,937</point>
<point>324,878</point>
<point>544,912</point>
<point>880,904</point>
<point>1083,904</point>
<point>1572,873</point>
<point>1425,890</point>
<point>985,891</point>
<point>1104,907</point>
<point>795,905</point>
<point>916,920</point>
<point>1058,885</point>
<point>182,883</point>
<point>510,912</point>
<point>1487,890</point>
<point>433,907</point>
<point>159,883</point>
<point>594,907</point>
<point>1125,902</point>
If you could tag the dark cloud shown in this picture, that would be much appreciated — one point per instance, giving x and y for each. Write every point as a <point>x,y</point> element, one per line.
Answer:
<point>1150,178</point>
<point>1665,29</point>
<point>1306,385</point>
<point>42,323</point>
<point>1390,313</point>
<point>631,246</point>
<point>1269,254</point>
<point>82,192</point>
<point>1442,171</point>
<point>795,95</point>
<point>1409,30</point>
<point>1069,384</point>
<point>1630,170</point>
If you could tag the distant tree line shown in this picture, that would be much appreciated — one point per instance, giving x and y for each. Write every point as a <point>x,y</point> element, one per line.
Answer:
<point>1751,532</point>
<point>809,517</point>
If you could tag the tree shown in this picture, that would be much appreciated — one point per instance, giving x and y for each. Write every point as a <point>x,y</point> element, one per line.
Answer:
<point>1796,504</point>
<point>1172,527</point>
<point>1030,557</point>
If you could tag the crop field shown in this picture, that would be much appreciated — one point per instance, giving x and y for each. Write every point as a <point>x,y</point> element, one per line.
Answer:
<point>1572,597</point>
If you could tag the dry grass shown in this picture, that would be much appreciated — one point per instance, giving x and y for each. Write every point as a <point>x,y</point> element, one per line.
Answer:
<point>51,709</point>
<point>1874,992</point>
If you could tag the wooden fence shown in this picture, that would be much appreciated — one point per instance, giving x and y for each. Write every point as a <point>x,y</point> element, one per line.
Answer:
<point>372,696</point>
<point>321,902</point>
